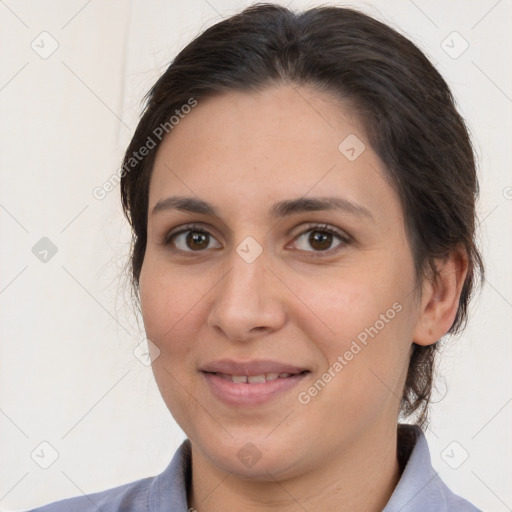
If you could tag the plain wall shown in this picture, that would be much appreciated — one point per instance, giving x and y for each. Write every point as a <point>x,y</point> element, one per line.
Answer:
<point>68,373</point>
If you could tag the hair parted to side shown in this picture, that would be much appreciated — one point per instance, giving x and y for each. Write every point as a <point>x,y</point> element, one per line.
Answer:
<point>404,104</point>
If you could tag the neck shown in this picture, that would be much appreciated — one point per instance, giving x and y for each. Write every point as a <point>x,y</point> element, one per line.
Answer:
<point>358,477</point>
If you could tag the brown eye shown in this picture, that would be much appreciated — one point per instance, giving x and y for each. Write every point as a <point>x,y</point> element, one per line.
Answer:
<point>191,240</point>
<point>321,239</point>
<point>196,240</point>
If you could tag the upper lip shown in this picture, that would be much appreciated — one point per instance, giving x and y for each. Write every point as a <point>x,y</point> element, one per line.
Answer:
<point>250,368</point>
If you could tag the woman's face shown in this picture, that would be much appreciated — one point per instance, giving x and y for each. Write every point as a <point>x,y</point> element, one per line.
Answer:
<point>297,263</point>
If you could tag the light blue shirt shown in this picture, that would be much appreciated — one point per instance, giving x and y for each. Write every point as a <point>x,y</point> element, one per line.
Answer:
<point>420,489</point>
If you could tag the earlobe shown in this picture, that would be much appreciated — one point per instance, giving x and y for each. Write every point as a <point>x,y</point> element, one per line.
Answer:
<point>440,298</point>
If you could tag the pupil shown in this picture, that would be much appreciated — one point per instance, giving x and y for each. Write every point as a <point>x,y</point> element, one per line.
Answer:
<point>320,240</point>
<point>197,240</point>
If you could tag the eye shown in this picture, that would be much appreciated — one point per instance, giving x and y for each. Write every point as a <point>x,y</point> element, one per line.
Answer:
<point>321,238</point>
<point>191,239</point>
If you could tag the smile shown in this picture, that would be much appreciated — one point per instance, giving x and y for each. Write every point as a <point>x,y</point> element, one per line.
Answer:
<point>242,391</point>
<point>253,379</point>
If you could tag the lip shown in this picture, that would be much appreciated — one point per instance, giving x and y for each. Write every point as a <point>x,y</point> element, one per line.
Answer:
<point>245,394</point>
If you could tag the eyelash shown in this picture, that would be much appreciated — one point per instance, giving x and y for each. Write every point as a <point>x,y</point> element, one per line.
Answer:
<point>322,228</point>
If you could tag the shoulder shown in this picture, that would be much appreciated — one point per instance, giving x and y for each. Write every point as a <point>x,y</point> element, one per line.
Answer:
<point>127,498</point>
<point>148,494</point>
<point>420,488</point>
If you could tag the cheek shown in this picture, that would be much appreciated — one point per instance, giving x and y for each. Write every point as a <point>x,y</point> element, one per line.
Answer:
<point>348,306</point>
<point>169,302</point>
<point>170,310</point>
<point>362,327</point>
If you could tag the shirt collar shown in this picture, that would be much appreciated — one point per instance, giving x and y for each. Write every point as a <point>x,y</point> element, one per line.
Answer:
<point>419,488</point>
<point>171,485</point>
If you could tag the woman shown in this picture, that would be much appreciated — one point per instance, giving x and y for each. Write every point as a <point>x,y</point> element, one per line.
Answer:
<point>302,192</point>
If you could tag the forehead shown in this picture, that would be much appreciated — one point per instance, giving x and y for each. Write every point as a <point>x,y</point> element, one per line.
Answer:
<point>279,143</point>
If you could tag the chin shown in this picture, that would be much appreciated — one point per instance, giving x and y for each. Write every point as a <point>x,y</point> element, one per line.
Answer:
<point>253,457</point>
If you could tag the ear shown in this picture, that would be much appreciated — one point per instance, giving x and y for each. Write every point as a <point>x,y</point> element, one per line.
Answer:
<point>440,298</point>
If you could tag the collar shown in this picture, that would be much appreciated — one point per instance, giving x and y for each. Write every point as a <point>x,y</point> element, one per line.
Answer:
<point>420,489</point>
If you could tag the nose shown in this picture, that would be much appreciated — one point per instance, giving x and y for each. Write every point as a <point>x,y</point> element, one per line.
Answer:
<point>248,302</point>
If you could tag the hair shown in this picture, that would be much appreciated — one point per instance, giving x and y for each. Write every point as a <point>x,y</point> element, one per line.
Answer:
<point>405,106</point>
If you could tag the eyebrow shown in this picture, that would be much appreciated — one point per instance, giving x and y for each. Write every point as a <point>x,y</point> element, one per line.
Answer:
<point>280,209</point>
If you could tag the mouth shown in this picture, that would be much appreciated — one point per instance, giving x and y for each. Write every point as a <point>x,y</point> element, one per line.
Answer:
<point>251,383</point>
<point>252,368</point>
<point>256,379</point>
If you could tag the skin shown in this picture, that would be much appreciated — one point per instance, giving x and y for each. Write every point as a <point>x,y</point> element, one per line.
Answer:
<point>295,303</point>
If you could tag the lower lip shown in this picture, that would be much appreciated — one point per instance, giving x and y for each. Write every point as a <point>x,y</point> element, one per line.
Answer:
<point>240,394</point>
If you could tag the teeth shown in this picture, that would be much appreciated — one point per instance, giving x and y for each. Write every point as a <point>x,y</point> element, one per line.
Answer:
<point>254,379</point>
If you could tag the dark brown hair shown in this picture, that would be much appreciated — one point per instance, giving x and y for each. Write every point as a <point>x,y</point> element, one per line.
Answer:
<point>405,105</point>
